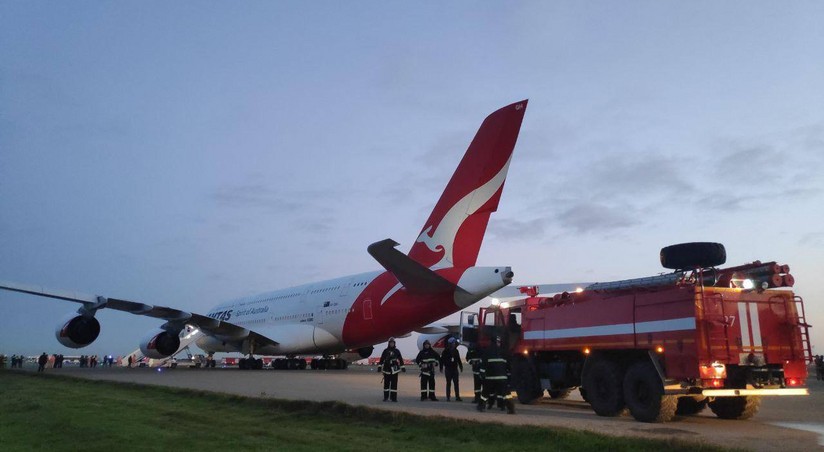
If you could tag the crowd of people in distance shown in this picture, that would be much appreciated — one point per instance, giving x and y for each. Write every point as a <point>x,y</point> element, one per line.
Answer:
<point>490,369</point>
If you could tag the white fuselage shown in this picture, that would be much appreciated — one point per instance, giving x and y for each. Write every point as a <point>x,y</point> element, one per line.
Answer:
<point>302,319</point>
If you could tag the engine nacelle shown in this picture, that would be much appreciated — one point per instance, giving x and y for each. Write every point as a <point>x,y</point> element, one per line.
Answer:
<point>365,352</point>
<point>159,344</point>
<point>76,330</point>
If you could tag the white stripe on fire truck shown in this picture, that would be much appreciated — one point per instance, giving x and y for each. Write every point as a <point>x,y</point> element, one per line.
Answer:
<point>744,324</point>
<point>656,326</point>
<point>756,325</point>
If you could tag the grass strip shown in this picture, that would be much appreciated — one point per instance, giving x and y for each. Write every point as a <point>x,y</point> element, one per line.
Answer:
<point>64,413</point>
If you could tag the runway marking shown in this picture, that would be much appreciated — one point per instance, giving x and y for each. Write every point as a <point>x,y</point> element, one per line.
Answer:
<point>815,428</point>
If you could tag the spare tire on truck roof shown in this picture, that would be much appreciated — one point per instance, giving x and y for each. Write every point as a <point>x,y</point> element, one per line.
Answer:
<point>684,256</point>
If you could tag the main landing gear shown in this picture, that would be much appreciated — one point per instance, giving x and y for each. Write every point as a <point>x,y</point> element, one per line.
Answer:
<point>250,363</point>
<point>289,363</point>
<point>329,362</point>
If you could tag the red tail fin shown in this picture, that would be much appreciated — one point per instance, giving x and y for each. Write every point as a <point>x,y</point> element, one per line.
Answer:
<point>453,234</point>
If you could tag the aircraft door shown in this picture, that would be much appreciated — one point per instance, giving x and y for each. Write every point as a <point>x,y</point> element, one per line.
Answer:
<point>367,309</point>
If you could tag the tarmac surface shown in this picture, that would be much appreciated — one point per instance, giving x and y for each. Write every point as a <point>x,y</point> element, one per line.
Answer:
<point>783,423</point>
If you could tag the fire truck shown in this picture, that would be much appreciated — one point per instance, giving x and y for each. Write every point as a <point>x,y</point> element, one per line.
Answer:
<point>659,346</point>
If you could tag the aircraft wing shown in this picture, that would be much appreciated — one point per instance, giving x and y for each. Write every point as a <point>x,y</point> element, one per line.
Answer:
<point>206,324</point>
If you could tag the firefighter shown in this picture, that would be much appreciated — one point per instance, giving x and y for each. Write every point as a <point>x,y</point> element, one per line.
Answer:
<point>427,359</point>
<point>451,361</point>
<point>390,364</point>
<point>495,373</point>
<point>819,367</point>
<point>41,362</point>
<point>473,357</point>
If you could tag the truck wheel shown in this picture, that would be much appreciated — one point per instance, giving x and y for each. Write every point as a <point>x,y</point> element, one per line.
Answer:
<point>644,394</point>
<point>740,407</point>
<point>690,405</point>
<point>602,383</point>
<point>686,256</point>
<point>525,380</point>
<point>558,394</point>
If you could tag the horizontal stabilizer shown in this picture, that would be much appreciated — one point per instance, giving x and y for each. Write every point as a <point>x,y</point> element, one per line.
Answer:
<point>415,277</point>
<point>438,329</point>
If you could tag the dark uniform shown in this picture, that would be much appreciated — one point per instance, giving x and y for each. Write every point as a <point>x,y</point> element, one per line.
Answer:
<point>474,359</point>
<point>41,362</point>
<point>451,361</point>
<point>495,372</point>
<point>427,359</point>
<point>390,364</point>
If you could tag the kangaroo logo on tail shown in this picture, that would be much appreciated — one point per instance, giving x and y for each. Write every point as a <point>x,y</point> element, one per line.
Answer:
<point>453,234</point>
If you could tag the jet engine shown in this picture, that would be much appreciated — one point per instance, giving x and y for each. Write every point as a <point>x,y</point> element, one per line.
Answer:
<point>160,344</point>
<point>356,354</point>
<point>365,352</point>
<point>77,330</point>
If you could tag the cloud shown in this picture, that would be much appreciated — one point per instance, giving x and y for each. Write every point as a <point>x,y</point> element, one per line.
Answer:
<point>812,239</point>
<point>255,196</point>
<point>767,198</point>
<point>528,230</point>
<point>596,217</point>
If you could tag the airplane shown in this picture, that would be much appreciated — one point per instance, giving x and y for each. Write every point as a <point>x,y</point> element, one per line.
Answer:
<point>436,278</point>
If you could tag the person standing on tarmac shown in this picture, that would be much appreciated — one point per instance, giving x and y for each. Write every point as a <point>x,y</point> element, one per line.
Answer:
<point>495,372</point>
<point>390,364</point>
<point>427,359</point>
<point>451,360</point>
<point>473,357</point>
<point>41,362</point>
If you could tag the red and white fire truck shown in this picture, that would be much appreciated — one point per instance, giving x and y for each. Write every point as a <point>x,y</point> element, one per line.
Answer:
<point>660,346</point>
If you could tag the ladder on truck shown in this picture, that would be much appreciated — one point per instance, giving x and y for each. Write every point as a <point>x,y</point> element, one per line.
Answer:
<point>804,327</point>
<point>716,341</point>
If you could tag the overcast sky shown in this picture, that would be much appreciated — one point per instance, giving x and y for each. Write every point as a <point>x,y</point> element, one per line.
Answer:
<point>185,153</point>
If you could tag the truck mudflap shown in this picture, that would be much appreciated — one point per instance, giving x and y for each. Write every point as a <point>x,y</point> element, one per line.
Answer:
<point>755,392</point>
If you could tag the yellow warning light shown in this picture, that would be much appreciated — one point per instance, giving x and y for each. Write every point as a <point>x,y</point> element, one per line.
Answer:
<point>586,350</point>
<point>526,352</point>
<point>659,349</point>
